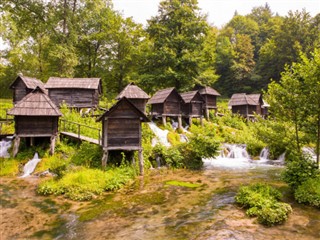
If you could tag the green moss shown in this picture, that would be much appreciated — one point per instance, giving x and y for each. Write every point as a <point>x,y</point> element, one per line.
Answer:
<point>154,198</point>
<point>183,184</point>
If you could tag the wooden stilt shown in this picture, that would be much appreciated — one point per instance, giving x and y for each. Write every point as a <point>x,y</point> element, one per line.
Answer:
<point>133,160</point>
<point>207,113</point>
<point>16,146</point>
<point>164,120</point>
<point>105,159</point>
<point>180,122</point>
<point>52,144</point>
<point>201,121</point>
<point>141,162</point>
<point>190,121</point>
<point>31,141</point>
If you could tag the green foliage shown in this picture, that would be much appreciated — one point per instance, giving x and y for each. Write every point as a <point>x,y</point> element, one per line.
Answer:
<point>84,184</point>
<point>88,155</point>
<point>173,138</point>
<point>263,201</point>
<point>74,118</point>
<point>309,192</point>
<point>9,167</point>
<point>299,170</point>
<point>56,164</point>
<point>170,157</point>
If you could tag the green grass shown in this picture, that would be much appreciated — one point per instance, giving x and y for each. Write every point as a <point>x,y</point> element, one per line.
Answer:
<point>5,104</point>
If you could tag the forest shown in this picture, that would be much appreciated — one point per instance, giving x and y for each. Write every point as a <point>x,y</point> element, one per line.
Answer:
<point>177,47</point>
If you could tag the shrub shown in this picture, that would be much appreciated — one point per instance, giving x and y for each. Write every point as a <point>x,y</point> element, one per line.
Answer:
<point>168,156</point>
<point>173,138</point>
<point>299,171</point>
<point>263,201</point>
<point>8,167</point>
<point>88,155</point>
<point>309,192</point>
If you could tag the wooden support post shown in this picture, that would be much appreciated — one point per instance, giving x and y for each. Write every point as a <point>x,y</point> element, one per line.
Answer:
<point>16,146</point>
<point>52,144</point>
<point>207,113</point>
<point>105,159</point>
<point>133,160</point>
<point>201,121</point>
<point>164,120</point>
<point>141,162</point>
<point>31,141</point>
<point>190,121</point>
<point>179,122</point>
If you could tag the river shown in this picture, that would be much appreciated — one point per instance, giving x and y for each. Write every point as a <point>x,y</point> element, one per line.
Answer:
<point>150,208</point>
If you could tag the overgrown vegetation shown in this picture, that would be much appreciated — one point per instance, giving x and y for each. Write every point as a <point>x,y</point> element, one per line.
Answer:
<point>262,201</point>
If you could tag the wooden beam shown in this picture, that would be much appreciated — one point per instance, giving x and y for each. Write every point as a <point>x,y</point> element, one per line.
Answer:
<point>52,144</point>
<point>141,162</point>
<point>16,146</point>
<point>104,159</point>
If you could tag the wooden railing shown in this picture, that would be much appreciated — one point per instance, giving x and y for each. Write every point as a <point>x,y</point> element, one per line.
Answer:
<point>74,127</point>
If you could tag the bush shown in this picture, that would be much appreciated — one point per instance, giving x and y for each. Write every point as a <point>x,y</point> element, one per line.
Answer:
<point>309,192</point>
<point>299,171</point>
<point>8,167</point>
<point>88,155</point>
<point>170,157</point>
<point>263,201</point>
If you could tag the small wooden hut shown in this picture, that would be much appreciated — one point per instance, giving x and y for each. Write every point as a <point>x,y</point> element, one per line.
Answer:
<point>136,96</point>
<point>210,98</point>
<point>75,92</point>
<point>247,104</point>
<point>121,129</point>
<point>166,103</point>
<point>35,116</point>
<point>192,106</point>
<point>23,85</point>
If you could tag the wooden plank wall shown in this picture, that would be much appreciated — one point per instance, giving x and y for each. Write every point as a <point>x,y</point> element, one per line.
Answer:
<point>140,104</point>
<point>20,91</point>
<point>36,126</point>
<point>80,98</point>
<point>123,132</point>
<point>211,101</point>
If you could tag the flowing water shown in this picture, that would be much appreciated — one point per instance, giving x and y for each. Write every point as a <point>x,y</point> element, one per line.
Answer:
<point>151,208</point>
<point>30,165</point>
<point>4,146</point>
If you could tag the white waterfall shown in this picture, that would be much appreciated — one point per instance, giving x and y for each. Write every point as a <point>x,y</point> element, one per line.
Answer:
<point>264,155</point>
<point>160,134</point>
<point>4,146</point>
<point>31,165</point>
<point>310,152</point>
<point>236,156</point>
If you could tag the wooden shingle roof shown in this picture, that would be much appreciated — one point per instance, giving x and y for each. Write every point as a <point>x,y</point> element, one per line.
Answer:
<point>243,99</point>
<point>30,82</point>
<point>132,91</point>
<point>209,91</point>
<point>162,95</point>
<point>36,103</point>
<point>189,96</point>
<point>124,100</point>
<point>79,83</point>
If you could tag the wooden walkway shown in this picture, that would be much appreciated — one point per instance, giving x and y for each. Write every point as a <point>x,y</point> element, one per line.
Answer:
<point>66,131</point>
<point>80,137</point>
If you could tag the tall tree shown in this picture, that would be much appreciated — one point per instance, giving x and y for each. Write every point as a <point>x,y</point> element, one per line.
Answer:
<point>178,33</point>
<point>296,98</point>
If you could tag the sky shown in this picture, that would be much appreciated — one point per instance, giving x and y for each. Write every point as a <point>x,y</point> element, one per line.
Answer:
<point>219,11</point>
